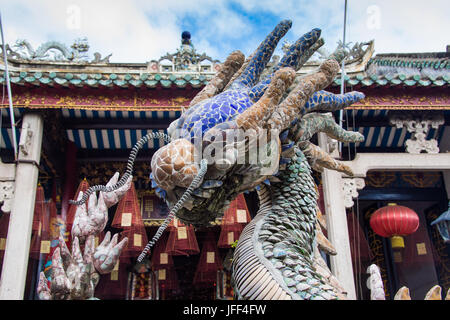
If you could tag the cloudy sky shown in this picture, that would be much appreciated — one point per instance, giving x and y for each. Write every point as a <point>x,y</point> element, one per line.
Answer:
<point>139,31</point>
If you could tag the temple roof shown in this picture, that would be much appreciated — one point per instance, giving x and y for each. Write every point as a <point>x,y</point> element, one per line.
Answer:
<point>186,67</point>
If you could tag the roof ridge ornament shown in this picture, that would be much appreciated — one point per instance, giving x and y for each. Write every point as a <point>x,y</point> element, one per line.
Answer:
<point>185,59</point>
<point>54,51</point>
<point>350,54</point>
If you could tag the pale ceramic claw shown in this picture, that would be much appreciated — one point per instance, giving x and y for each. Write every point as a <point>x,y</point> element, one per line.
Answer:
<point>113,197</point>
<point>92,221</point>
<point>60,284</point>
<point>43,290</point>
<point>65,253</point>
<point>107,253</point>
<point>73,274</point>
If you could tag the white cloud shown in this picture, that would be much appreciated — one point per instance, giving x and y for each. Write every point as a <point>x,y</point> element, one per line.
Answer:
<point>138,30</point>
<point>405,26</point>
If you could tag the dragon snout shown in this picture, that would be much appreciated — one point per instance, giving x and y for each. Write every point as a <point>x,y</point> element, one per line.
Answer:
<point>173,165</point>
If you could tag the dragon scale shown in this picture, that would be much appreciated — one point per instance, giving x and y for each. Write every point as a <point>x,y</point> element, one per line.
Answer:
<point>274,258</point>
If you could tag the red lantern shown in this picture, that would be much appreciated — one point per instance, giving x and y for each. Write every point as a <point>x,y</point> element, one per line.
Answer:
<point>394,221</point>
<point>113,286</point>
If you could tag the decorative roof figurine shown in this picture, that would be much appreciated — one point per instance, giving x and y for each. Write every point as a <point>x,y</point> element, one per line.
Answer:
<point>351,55</point>
<point>411,65</point>
<point>54,51</point>
<point>185,59</point>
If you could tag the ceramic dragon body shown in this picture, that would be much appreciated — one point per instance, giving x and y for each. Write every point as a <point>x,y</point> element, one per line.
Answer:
<point>277,256</point>
<point>242,133</point>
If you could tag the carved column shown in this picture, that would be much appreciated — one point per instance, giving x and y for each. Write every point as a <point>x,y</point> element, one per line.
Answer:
<point>14,272</point>
<point>337,229</point>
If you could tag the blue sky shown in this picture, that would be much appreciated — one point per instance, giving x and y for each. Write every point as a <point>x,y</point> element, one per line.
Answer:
<point>139,31</point>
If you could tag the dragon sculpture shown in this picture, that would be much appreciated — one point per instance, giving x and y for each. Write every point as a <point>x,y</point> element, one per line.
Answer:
<point>54,51</point>
<point>246,131</point>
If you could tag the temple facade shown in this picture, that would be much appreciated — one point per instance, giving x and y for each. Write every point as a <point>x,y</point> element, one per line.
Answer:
<point>75,120</point>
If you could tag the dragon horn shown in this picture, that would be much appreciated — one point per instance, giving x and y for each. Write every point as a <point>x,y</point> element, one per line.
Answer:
<point>268,114</point>
<point>217,84</point>
<point>290,59</point>
<point>294,103</point>
<point>262,55</point>
<point>256,116</point>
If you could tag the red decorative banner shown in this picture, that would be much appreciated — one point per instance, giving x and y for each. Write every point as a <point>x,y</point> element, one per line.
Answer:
<point>100,99</point>
<point>133,99</point>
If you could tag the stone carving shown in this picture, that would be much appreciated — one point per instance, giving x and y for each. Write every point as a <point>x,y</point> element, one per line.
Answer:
<point>98,58</point>
<point>419,125</point>
<point>74,274</point>
<point>54,51</point>
<point>351,187</point>
<point>375,283</point>
<point>6,195</point>
<point>350,54</point>
<point>25,139</point>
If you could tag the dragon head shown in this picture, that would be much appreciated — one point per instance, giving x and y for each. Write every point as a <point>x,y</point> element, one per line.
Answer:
<point>245,127</point>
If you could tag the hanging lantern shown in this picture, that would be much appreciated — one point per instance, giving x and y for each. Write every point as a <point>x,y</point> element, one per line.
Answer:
<point>126,214</point>
<point>83,186</point>
<point>113,286</point>
<point>209,263</point>
<point>394,221</point>
<point>137,239</point>
<point>242,212</point>
<point>182,240</point>
<point>163,266</point>
<point>233,222</point>
<point>160,257</point>
<point>128,217</point>
<point>167,279</point>
<point>443,224</point>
